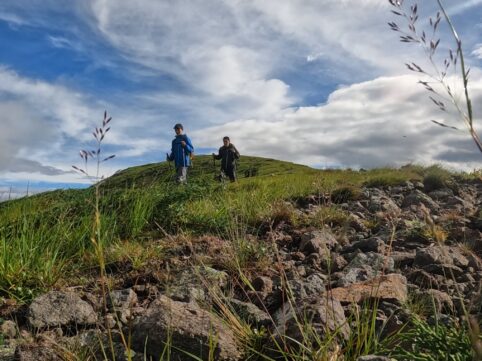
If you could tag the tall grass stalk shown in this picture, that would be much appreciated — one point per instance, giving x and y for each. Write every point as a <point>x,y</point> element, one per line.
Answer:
<point>439,76</point>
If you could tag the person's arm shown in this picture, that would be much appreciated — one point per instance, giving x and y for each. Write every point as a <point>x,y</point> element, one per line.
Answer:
<point>219,155</point>
<point>236,153</point>
<point>188,147</point>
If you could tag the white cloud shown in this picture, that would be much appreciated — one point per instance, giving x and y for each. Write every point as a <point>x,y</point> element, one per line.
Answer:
<point>233,66</point>
<point>477,52</point>
<point>381,122</point>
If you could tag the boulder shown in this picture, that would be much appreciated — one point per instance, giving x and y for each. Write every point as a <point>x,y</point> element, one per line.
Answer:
<point>417,198</point>
<point>250,313</point>
<point>35,353</point>
<point>186,328</point>
<point>122,299</point>
<point>57,309</point>
<point>392,287</point>
<point>324,314</point>
<point>442,255</point>
<point>319,242</point>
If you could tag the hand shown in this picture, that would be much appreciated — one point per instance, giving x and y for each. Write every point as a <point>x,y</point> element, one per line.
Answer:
<point>214,155</point>
<point>167,158</point>
<point>183,143</point>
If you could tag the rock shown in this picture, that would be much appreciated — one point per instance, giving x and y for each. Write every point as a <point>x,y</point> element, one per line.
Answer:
<point>35,353</point>
<point>9,329</point>
<point>55,309</point>
<point>442,255</point>
<point>314,284</point>
<point>7,354</point>
<point>250,313</point>
<point>325,316</point>
<point>441,194</point>
<point>365,266</point>
<point>475,262</point>
<point>192,285</point>
<point>374,244</point>
<point>402,259</point>
<point>262,284</point>
<point>439,300</point>
<point>376,261</point>
<point>416,198</point>
<point>423,279</point>
<point>384,204</point>
<point>122,299</point>
<point>391,287</point>
<point>373,358</point>
<point>335,263</point>
<point>186,327</point>
<point>319,242</point>
<point>101,346</point>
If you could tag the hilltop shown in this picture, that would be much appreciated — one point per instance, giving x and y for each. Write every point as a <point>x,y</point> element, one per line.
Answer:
<point>290,263</point>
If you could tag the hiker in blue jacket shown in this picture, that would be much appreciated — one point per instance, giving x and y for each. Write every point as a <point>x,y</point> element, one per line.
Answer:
<point>181,151</point>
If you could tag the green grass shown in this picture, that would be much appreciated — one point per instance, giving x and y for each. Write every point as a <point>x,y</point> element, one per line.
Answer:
<point>48,235</point>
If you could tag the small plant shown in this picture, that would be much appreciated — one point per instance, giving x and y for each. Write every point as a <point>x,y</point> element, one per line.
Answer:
<point>330,216</point>
<point>345,194</point>
<point>436,177</point>
<point>425,232</point>
<point>424,342</point>
<point>437,83</point>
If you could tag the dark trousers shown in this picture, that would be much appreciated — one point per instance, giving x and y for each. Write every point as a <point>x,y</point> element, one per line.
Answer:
<point>230,172</point>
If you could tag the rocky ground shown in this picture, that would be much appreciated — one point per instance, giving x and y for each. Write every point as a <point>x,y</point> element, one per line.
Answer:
<point>398,248</point>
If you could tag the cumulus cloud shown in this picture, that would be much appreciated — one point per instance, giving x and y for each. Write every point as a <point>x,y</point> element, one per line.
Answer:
<point>385,121</point>
<point>229,67</point>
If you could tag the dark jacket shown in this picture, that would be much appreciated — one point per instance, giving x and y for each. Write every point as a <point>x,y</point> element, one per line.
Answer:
<point>179,154</point>
<point>228,156</point>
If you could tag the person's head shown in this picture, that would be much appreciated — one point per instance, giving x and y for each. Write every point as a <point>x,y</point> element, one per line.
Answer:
<point>226,141</point>
<point>178,128</point>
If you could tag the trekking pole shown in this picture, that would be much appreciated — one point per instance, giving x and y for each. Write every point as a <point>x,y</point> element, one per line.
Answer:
<point>168,160</point>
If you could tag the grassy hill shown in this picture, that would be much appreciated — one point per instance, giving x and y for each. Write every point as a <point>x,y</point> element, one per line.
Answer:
<point>139,229</point>
<point>46,237</point>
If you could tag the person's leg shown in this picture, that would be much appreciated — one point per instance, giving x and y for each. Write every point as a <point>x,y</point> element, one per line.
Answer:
<point>231,173</point>
<point>181,175</point>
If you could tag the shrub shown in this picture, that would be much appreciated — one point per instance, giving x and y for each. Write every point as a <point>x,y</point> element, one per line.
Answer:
<point>345,194</point>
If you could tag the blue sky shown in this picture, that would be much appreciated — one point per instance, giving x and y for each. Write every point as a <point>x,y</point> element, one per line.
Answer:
<point>314,82</point>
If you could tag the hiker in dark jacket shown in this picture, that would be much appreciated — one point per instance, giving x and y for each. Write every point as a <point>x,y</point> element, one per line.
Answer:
<point>228,155</point>
<point>181,151</point>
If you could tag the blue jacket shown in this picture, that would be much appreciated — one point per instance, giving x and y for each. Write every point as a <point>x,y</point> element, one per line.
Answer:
<point>179,154</point>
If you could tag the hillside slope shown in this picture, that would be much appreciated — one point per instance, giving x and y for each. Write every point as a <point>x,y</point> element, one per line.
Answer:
<point>293,263</point>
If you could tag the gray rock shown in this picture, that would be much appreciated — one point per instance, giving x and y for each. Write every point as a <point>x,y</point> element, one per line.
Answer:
<point>374,244</point>
<point>376,261</point>
<point>382,203</point>
<point>325,316</point>
<point>263,284</point>
<point>192,285</point>
<point>441,194</point>
<point>417,197</point>
<point>122,299</point>
<point>442,255</point>
<point>35,353</point>
<point>319,242</point>
<point>56,309</point>
<point>9,329</point>
<point>100,346</point>
<point>250,313</point>
<point>435,300</point>
<point>186,327</point>
<point>314,284</point>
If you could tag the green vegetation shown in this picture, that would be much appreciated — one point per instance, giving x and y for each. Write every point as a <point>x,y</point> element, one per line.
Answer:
<point>47,236</point>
